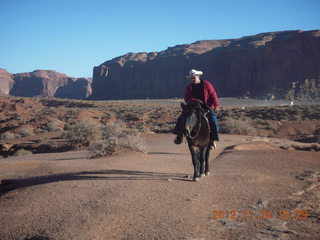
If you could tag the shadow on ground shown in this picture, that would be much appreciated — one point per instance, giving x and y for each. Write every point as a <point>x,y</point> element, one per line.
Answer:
<point>113,174</point>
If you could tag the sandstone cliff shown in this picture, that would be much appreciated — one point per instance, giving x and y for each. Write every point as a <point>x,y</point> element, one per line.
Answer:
<point>6,82</point>
<point>44,83</point>
<point>262,65</point>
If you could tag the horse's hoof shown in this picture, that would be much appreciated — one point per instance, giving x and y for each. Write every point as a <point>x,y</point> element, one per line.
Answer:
<point>196,179</point>
<point>207,173</point>
<point>202,175</point>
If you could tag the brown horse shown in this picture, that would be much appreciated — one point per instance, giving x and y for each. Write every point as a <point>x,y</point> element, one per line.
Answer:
<point>197,131</point>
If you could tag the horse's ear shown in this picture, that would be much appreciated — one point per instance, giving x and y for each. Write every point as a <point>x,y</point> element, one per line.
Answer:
<point>183,105</point>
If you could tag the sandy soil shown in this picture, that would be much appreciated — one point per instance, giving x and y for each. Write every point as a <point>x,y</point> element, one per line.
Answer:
<point>151,196</point>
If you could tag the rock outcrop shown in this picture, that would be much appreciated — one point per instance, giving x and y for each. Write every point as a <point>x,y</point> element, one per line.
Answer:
<point>44,83</point>
<point>262,65</point>
<point>6,82</point>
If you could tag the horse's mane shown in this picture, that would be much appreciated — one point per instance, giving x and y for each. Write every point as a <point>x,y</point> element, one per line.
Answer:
<point>197,105</point>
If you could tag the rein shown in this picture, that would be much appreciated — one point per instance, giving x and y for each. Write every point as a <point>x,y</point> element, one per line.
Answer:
<point>199,128</point>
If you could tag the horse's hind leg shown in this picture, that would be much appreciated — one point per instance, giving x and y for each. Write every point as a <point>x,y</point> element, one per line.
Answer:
<point>207,155</point>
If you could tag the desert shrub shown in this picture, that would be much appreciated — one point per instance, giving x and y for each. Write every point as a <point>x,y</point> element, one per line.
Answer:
<point>7,135</point>
<point>39,130</point>
<point>132,142</point>
<point>83,133</point>
<point>69,125</point>
<point>53,126</point>
<point>238,126</point>
<point>296,118</point>
<point>104,147</point>
<point>74,112</point>
<point>48,112</point>
<point>266,123</point>
<point>115,137</point>
<point>25,132</point>
<point>22,152</point>
<point>261,121</point>
<point>112,130</point>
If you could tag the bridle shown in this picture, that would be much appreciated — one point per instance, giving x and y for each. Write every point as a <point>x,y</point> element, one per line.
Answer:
<point>188,134</point>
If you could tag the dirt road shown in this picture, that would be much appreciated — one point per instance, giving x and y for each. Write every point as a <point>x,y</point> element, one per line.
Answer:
<point>267,192</point>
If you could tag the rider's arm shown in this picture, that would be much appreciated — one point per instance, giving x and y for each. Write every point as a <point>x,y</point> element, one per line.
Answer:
<point>213,96</point>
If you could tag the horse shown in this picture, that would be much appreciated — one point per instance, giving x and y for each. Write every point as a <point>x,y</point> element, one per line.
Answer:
<point>196,128</point>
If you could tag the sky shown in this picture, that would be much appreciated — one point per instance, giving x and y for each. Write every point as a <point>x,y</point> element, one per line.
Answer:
<point>73,36</point>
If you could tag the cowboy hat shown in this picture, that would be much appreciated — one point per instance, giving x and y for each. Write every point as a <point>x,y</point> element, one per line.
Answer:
<point>194,72</point>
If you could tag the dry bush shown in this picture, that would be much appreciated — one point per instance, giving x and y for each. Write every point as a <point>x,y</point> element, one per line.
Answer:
<point>104,147</point>
<point>74,112</point>
<point>238,126</point>
<point>115,137</point>
<point>83,133</point>
<point>25,132</point>
<point>7,135</point>
<point>112,130</point>
<point>296,118</point>
<point>22,152</point>
<point>53,126</point>
<point>266,123</point>
<point>132,142</point>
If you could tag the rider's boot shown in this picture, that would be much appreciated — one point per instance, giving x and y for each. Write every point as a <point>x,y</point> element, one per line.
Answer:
<point>178,139</point>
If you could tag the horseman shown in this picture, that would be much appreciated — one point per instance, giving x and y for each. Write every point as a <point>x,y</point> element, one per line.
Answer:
<point>203,92</point>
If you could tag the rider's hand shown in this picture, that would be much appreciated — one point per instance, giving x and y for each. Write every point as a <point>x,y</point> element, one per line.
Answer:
<point>199,101</point>
<point>216,109</point>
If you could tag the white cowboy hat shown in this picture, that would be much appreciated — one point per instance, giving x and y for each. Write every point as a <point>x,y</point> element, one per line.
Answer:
<point>193,72</point>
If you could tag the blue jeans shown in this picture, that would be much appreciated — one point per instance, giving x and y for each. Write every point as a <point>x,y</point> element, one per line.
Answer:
<point>213,117</point>
<point>214,125</point>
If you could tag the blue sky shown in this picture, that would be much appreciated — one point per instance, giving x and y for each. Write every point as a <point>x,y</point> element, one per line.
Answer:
<point>73,36</point>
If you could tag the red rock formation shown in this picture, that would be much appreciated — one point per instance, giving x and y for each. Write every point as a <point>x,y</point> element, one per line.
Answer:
<point>6,82</point>
<point>258,66</point>
<point>48,83</point>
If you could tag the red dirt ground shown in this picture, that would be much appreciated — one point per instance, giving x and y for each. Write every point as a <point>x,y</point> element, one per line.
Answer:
<point>151,196</point>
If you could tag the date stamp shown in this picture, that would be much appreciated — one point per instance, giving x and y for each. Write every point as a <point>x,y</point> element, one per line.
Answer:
<point>262,214</point>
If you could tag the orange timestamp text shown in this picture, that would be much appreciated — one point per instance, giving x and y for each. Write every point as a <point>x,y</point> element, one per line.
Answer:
<point>262,214</point>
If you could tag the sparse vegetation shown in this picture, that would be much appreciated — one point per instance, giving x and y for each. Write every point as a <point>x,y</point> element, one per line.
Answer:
<point>53,126</point>
<point>74,112</point>
<point>7,136</point>
<point>267,124</point>
<point>37,116</point>
<point>238,126</point>
<point>39,130</point>
<point>82,134</point>
<point>25,132</point>
<point>115,137</point>
<point>22,152</point>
